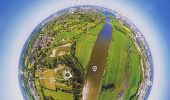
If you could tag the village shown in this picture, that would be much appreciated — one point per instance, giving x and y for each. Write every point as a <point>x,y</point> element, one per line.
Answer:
<point>52,67</point>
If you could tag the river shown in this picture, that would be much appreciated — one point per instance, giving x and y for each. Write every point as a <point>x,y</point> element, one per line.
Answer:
<point>97,63</point>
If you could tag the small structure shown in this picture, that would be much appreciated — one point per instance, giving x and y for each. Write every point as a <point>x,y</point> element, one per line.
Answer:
<point>94,68</point>
<point>149,83</point>
<point>67,74</point>
<point>20,72</point>
<point>52,80</point>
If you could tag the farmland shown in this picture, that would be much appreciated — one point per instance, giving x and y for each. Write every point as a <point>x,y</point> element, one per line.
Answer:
<point>57,56</point>
<point>122,73</point>
<point>85,53</point>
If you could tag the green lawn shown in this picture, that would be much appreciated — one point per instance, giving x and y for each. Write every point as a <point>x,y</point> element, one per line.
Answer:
<point>123,67</point>
<point>58,95</point>
<point>85,44</point>
<point>79,29</point>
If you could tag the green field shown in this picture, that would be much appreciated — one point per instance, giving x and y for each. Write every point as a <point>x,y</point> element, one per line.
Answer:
<point>122,73</point>
<point>58,55</point>
<point>85,44</point>
<point>67,41</point>
<point>58,95</point>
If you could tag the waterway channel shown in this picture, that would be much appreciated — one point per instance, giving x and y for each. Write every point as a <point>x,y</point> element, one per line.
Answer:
<point>97,63</point>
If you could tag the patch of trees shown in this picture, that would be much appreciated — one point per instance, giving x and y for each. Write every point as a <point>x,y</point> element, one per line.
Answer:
<point>78,78</point>
<point>108,87</point>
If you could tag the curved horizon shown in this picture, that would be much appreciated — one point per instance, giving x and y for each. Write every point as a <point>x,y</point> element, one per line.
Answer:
<point>22,26</point>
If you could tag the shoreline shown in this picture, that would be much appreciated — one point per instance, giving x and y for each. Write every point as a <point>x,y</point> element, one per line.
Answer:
<point>146,86</point>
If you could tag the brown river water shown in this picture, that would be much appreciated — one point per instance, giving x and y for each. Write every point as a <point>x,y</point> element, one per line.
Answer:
<point>98,58</point>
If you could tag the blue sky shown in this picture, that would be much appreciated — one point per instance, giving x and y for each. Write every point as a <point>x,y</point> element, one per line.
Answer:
<point>158,9</point>
<point>12,10</point>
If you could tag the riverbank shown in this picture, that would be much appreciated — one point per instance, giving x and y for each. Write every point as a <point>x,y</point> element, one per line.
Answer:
<point>98,58</point>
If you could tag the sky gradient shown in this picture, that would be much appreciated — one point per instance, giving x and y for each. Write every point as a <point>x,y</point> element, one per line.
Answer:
<point>18,18</point>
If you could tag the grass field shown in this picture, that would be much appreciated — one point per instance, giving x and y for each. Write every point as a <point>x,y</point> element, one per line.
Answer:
<point>85,44</point>
<point>58,95</point>
<point>47,75</point>
<point>123,66</point>
<point>48,47</point>
<point>85,41</point>
<point>44,84</point>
